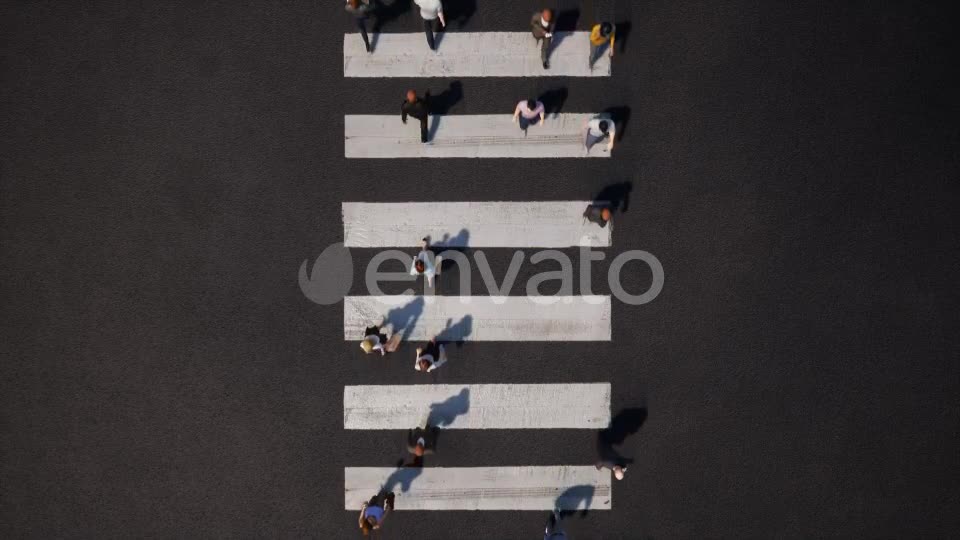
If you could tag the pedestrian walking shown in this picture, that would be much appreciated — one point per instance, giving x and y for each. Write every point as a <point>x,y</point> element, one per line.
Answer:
<point>431,11</point>
<point>374,512</point>
<point>599,214</point>
<point>361,10</point>
<point>430,357</point>
<point>374,340</point>
<point>418,108</point>
<point>597,129</point>
<point>421,442</point>
<point>542,26</point>
<point>601,35</point>
<point>553,530</point>
<point>423,263</point>
<point>528,112</point>
<point>618,470</point>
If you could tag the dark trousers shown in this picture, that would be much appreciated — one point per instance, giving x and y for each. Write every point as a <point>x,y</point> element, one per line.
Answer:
<point>424,128</point>
<point>527,122</point>
<point>428,26</point>
<point>362,26</point>
<point>544,48</point>
<point>382,499</point>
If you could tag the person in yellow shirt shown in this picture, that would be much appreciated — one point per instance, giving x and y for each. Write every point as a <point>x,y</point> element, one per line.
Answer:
<point>602,35</point>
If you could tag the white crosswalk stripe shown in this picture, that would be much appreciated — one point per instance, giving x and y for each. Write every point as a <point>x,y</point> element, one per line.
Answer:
<point>471,54</point>
<point>478,406</point>
<point>481,318</point>
<point>482,488</point>
<point>553,224</point>
<point>468,136</point>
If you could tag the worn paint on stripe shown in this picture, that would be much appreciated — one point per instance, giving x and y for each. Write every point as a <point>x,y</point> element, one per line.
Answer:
<point>478,406</point>
<point>470,54</point>
<point>563,487</point>
<point>553,224</point>
<point>469,136</point>
<point>481,318</point>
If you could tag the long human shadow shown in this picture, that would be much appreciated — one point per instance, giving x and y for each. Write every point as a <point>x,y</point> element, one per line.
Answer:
<point>568,503</point>
<point>404,319</point>
<point>455,12</point>
<point>445,412</point>
<point>441,104</point>
<point>621,116</point>
<point>622,33</point>
<point>457,243</point>
<point>386,12</point>
<point>616,197</point>
<point>566,25</point>
<point>456,333</point>
<point>459,12</point>
<point>553,100</point>
<point>622,426</point>
<point>402,477</point>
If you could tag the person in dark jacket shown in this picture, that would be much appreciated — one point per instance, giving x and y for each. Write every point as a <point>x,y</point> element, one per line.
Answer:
<point>361,10</point>
<point>542,26</point>
<point>418,108</point>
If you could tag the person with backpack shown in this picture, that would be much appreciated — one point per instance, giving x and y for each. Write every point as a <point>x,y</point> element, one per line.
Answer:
<point>430,357</point>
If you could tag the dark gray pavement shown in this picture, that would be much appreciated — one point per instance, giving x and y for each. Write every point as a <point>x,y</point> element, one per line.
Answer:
<point>166,168</point>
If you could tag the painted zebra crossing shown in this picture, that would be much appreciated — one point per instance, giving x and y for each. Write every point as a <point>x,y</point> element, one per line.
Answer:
<point>481,318</point>
<point>482,488</point>
<point>547,224</point>
<point>471,54</point>
<point>510,224</point>
<point>478,406</point>
<point>469,136</point>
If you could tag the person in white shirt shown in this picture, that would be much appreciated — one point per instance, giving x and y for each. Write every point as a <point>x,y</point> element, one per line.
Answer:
<point>430,357</point>
<point>598,129</point>
<point>528,112</point>
<point>374,340</point>
<point>423,264</point>
<point>431,10</point>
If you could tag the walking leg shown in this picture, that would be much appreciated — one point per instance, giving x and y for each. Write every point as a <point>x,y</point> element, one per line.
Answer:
<point>424,128</point>
<point>362,26</point>
<point>545,52</point>
<point>428,30</point>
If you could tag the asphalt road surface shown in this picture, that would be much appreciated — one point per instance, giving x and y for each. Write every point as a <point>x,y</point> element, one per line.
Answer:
<point>166,168</point>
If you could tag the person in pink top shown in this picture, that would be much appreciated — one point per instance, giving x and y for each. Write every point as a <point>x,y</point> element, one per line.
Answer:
<point>528,113</point>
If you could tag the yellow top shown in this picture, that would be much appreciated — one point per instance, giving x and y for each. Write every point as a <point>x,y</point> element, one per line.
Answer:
<point>597,39</point>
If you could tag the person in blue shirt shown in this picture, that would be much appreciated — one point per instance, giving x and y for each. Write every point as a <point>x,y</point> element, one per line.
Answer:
<point>374,512</point>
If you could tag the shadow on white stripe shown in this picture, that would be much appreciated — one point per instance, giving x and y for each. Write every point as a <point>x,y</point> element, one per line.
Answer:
<point>481,318</point>
<point>545,224</point>
<point>478,406</point>
<point>482,488</point>
<point>468,136</point>
<point>471,54</point>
